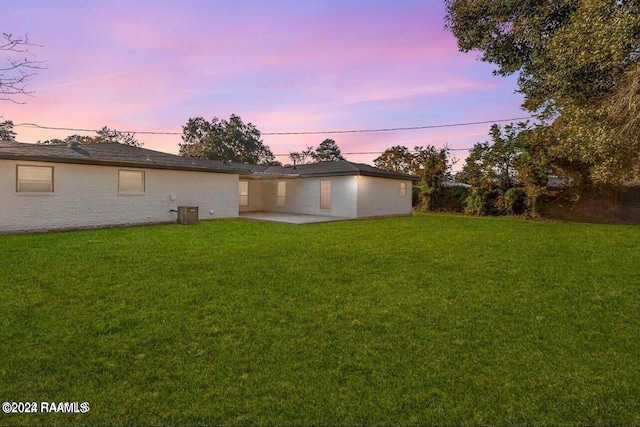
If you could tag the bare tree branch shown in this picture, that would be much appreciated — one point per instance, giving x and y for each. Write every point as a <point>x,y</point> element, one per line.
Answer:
<point>21,67</point>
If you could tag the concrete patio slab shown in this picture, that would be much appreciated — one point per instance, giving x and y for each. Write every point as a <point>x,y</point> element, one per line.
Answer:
<point>290,218</point>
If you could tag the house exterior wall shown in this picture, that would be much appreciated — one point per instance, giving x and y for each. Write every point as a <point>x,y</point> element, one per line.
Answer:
<point>303,196</point>
<point>270,195</point>
<point>255,196</point>
<point>87,196</point>
<point>381,197</point>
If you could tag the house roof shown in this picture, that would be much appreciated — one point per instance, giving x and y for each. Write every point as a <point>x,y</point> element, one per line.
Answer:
<point>335,168</point>
<point>110,154</point>
<point>115,154</point>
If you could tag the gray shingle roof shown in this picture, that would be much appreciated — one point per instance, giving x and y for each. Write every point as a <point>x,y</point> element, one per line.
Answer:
<point>114,154</point>
<point>110,154</point>
<point>336,168</point>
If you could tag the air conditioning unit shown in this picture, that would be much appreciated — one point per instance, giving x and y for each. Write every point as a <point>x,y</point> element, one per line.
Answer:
<point>187,214</point>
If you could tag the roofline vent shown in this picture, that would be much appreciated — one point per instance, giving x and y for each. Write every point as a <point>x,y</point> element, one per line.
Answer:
<point>73,143</point>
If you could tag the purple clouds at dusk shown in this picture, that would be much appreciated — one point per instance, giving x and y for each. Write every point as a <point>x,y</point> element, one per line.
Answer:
<point>285,66</point>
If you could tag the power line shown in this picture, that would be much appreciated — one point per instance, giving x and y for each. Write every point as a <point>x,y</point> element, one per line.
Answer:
<point>34,125</point>
<point>376,152</point>
<point>396,129</point>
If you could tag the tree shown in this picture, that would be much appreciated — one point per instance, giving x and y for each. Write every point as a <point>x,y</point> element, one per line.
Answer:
<point>302,157</point>
<point>6,131</point>
<point>430,164</point>
<point>104,135</point>
<point>534,164</point>
<point>477,167</point>
<point>230,140</point>
<point>503,153</point>
<point>19,69</point>
<point>509,174</point>
<point>111,135</point>
<point>396,159</point>
<point>490,170</point>
<point>578,64</point>
<point>434,169</point>
<point>327,151</point>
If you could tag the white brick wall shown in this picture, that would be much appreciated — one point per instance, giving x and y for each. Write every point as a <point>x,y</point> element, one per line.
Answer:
<point>303,196</point>
<point>352,196</point>
<point>381,197</point>
<point>255,196</point>
<point>87,196</point>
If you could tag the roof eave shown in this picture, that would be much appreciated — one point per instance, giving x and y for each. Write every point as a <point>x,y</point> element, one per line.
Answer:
<point>119,163</point>
<point>389,176</point>
<point>362,173</point>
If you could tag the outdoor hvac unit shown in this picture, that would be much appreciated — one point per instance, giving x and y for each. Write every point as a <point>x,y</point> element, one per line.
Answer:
<point>187,214</point>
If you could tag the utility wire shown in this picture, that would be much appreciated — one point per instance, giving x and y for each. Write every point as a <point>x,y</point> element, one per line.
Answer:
<point>377,152</point>
<point>34,125</point>
<point>396,129</point>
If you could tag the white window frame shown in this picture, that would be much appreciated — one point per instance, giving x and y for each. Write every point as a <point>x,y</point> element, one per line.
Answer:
<point>132,192</point>
<point>21,184</point>
<point>403,189</point>
<point>325,195</point>
<point>282,194</point>
<point>243,193</point>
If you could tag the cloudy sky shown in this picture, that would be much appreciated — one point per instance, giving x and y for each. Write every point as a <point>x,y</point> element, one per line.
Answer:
<point>285,66</point>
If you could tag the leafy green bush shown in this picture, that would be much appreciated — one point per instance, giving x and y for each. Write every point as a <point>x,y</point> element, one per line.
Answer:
<point>512,202</point>
<point>476,202</point>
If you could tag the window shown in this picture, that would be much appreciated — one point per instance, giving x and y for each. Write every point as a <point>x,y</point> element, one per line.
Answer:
<point>130,182</point>
<point>34,179</point>
<point>282,194</point>
<point>243,193</point>
<point>325,195</point>
<point>403,188</point>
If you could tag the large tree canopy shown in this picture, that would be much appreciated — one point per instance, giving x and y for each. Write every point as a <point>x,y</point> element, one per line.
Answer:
<point>397,159</point>
<point>578,62</point>
<point>230,140</point>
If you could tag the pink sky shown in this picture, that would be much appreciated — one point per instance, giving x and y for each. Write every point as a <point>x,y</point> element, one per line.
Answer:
<point>284,66</point>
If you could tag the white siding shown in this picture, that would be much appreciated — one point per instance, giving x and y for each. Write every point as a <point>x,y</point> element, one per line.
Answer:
<point>381,197</point>
<point>87,196</point>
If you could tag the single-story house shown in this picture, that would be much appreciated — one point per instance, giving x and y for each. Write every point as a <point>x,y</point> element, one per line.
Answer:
<point>49,187</point>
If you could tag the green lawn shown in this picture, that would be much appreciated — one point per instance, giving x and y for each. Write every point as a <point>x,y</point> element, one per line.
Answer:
<point>429,319</point>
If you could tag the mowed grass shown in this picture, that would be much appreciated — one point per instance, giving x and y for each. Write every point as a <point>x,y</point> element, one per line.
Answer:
<point>429,319</point>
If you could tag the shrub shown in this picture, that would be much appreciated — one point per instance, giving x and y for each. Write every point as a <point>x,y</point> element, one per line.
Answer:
<point>476,202</point>
<point>512,202</point>
<point>454,199</point>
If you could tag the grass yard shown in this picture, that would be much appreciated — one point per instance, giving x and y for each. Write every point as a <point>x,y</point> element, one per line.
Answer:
<point>429,319</point>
